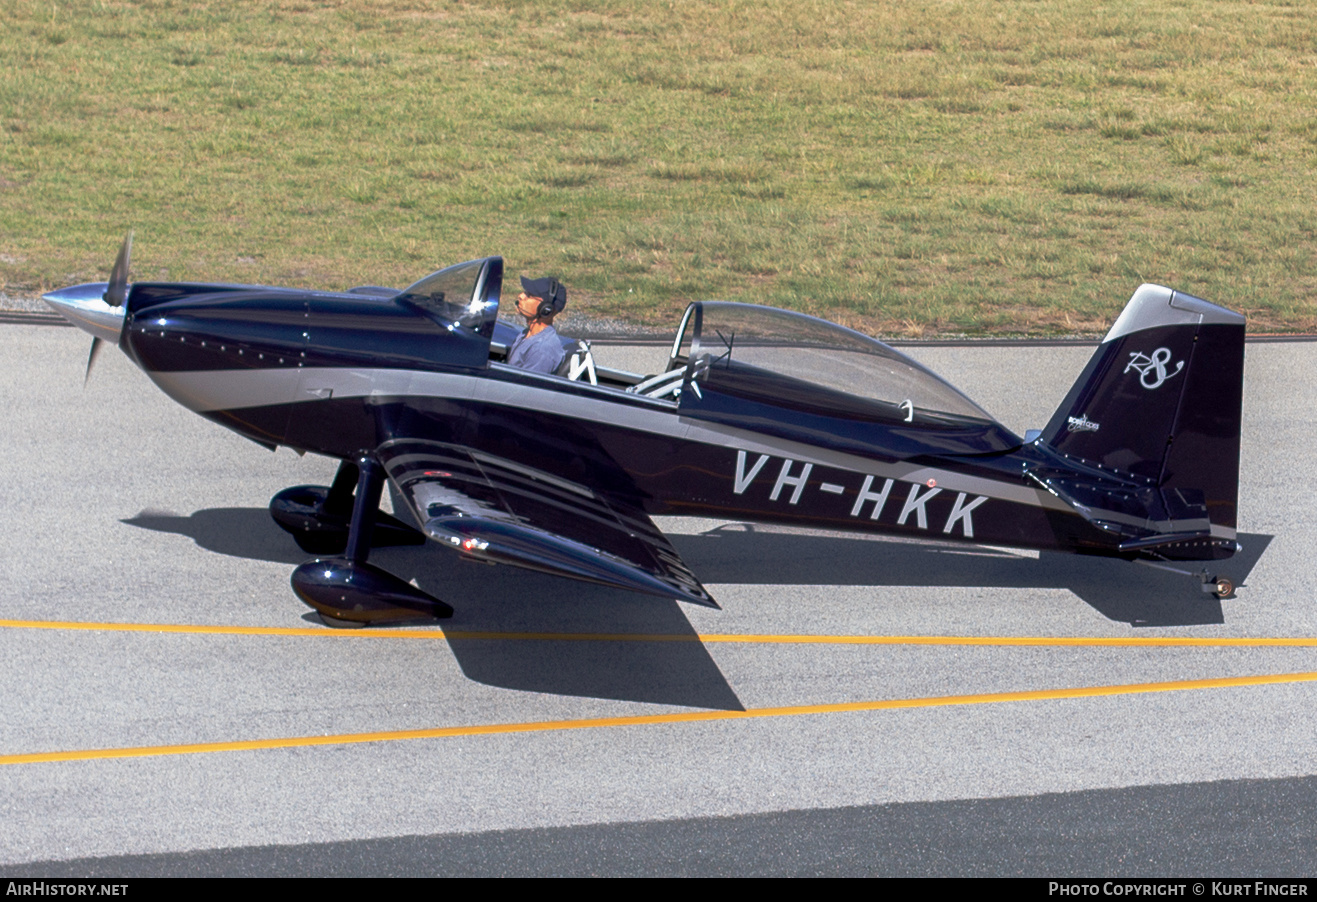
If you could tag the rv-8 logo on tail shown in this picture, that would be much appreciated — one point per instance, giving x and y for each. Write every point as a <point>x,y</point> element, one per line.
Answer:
<point>1152,369</point>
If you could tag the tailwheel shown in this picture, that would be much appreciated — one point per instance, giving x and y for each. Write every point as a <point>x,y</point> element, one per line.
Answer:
<point>1209,582</point>
<point>1216,586</point>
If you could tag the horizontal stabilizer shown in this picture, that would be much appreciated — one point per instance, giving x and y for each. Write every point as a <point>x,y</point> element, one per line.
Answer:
<point>1135,512</point>
<point>500,511</point>
<point>1168,541</point>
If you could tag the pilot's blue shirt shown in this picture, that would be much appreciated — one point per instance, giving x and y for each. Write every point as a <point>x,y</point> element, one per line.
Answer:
<point>541,352</point>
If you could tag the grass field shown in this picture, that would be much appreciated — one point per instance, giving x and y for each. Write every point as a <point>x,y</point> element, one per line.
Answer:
<point>909,168</point>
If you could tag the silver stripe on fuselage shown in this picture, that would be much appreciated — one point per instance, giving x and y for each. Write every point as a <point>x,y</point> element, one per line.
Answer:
<point>207,390</point>
<point>211,390</point>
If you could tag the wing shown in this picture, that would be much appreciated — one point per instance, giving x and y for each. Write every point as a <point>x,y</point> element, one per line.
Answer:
<point>494,509</point>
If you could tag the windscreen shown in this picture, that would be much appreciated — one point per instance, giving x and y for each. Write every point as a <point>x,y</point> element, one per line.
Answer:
<point>466,294</point>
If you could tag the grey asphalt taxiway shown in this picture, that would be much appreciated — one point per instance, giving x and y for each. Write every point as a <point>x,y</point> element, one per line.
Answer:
<point>856,705</point>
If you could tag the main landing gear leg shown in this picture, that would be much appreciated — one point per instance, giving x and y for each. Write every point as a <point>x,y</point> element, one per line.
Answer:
<point>1218,586</point>
<point>318,516</point>
<point>349,592</point>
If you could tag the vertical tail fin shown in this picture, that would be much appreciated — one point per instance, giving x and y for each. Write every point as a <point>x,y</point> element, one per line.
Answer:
<point>1159,406</point>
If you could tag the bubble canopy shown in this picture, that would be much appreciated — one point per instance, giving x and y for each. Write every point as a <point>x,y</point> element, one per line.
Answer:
<point>799,361</point>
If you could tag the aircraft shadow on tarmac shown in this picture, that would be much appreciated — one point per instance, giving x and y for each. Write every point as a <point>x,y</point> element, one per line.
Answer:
<point>505,599</point>
<point>681,672</point>
<point>1119,590</point>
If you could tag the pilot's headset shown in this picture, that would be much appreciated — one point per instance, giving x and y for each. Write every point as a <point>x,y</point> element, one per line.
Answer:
<point>548,307</point>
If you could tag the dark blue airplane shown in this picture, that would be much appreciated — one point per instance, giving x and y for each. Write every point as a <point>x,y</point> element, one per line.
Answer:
<point>761,414</point>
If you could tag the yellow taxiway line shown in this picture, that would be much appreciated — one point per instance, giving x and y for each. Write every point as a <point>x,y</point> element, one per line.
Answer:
<point>704,638</point>
<point>674,718</point>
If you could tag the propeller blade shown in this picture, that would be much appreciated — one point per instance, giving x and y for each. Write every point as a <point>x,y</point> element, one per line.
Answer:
<point>91,358</point>
<point>117,293</point>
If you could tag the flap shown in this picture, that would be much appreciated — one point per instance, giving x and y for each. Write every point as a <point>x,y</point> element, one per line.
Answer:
<point>494,509</point>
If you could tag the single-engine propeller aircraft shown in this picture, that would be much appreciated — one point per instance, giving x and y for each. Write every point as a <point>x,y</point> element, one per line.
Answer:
<point>761,414</point>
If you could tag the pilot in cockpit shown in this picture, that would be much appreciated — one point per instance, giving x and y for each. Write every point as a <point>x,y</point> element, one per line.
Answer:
<point>539,348</point>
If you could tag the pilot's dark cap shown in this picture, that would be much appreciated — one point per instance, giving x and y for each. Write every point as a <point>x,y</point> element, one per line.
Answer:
<point>546,289</point>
